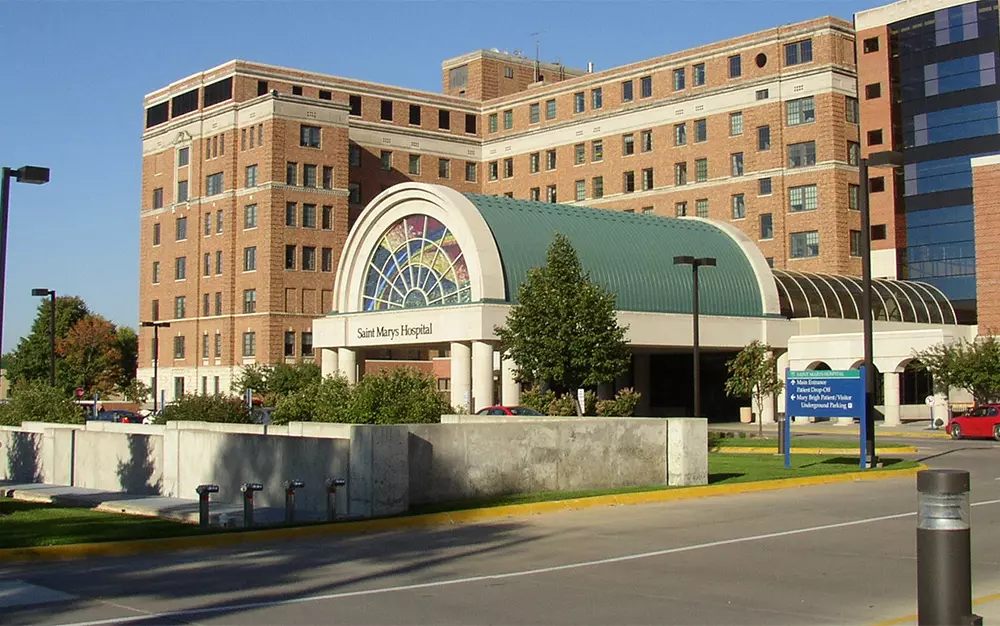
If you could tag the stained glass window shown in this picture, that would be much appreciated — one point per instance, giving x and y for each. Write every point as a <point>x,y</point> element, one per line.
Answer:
<point>417,263</point>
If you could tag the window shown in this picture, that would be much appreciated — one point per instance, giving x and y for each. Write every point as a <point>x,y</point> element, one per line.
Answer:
<point>458,77</point>
<point>289,257</point>
<point>250,216</point>
<point>852,109</point>
<point>296,90</point>
<point>550,193</point>
<point>798,52</point>
<point>326,260</point>
<point>800,111</point>
<point>327,177</point>
<point>156,234</point>
<point>444,168</point>
<point>180,268</point>
<point>179,354</point>
<point>628,182</point>
<point>855,240</point>
<point>327,218</point>
<point>739,206</point>
<point>736,124</point>
<point>805,244</point>
<point>492,170</point>
<point>681,209</point>
<point>735,66</point>
<point>508,167</point>
<point>470,123</point>
<point>385,159</point>
<point>354,193</point>
<point>309,136</point>
<point>680,134</point>
<point>646,87</point>
<point>385,110</point>
<point>535,193</point>
<point>597,150</point>
<point>156,272</point>
<point>415,114</point>
<point>534,113</point>
<point>804,198</point>
<point>508,119</point>
<point>550,109</point>
<point>213,184</point>
<point>852,197</point>
<point>878,232</point>
<point>873,91</point>
<point>325,95</point>
<point>762,94</point>
<point>251,176</point>
<point>492,122</point>
<point>647,179</point>
<point>309,175</point>
<point>627,91</point>
<point>181,229</point>
<point>597,186</point>
<point>158,198</point>
<point>249,300</point>
<point>701,207</point>
<point>533,162</point>
<point>291,214</point>
<point>628,144</point>
<point>596,98</point>
<point>853,153</point>
<point>354,156</point>
<point>579,102</point>
<point>550,159</point>
<point>646,140</point>
<point>680,173</point>
<point>308,216</point>
<point>870,45</point>
<point>182,191</point>
<point>207,269</point>
<point>678,79</point>
<point>250,259</point>
<point>802,154</point>
<point>289,343</point>
<point>218,262</point>
<point>581,190</point>
<point>249,344</point>
<point>208,224</point>
<point>155,310</point>
<point>580,153</point>
<point>180,304</point>
<point>307,343</point>
<point>698,74</point>
<point>763,138</point>
<point>291,173</point>
<point>414,168</point>
<point>876,185</point>
<point>875,137</point>
<point>183,156</point>
<point>766,226</point>
<point>646,210</point>
<point>218,311</point>
<point>736,164</point>
<point>309,258</point>
<point>701,170</point>
<point>764,187</point>
<point>700,130</point>
<point>470,171</point>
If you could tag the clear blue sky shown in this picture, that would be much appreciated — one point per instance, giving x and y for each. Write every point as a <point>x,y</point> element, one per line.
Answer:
<point>75,73</point>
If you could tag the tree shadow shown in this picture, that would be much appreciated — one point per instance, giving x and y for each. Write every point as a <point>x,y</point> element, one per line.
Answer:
<point>23,458</point>
<point>135,475</point>
<point>718,477</point>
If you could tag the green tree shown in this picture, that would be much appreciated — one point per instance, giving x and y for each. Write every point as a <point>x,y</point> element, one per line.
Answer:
<point>36,401</point>
<point>271,383</point>
<point>136,391</point>
<point>754,374</point>
<point>198,408</point>
<point>970,365</point>
<point>90,351</point>
<point>564,332</point>
<point>30,360</point>
<point>399,396</point>
<point>128,346</point>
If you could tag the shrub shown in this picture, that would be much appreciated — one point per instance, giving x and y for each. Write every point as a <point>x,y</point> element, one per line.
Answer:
<point>402,396</point>
<point>38,402</point>
<point>538,399</point>
<point>196,408</point>
<point>622,406</point>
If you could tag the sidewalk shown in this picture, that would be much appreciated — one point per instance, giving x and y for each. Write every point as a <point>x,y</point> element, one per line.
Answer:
<point>918,429</point>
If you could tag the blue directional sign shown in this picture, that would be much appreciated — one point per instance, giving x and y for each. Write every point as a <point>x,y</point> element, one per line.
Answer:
<point>825,393</point>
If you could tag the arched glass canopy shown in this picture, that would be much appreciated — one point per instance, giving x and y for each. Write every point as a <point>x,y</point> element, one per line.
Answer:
<point>807,294</point>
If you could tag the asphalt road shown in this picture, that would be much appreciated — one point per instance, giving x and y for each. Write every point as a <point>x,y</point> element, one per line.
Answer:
<point>833,554</point>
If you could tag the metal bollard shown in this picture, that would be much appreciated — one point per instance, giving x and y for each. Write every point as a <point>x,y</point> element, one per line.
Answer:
<point>944,559</point>
<point>290,487</point>
<point>331,496</point>
<point>248,490</point>
<point>203,493</point>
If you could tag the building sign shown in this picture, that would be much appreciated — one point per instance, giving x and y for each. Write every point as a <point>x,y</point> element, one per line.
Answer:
<point>391,333</point>
<point>825,393</point>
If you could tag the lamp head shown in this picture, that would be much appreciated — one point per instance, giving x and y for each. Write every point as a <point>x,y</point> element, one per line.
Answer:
<point>32,174</point>
<point>41,292</point>
<point>683,260</point>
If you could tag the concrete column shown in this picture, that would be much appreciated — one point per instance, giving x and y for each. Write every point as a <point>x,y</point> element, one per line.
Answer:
<point>782,365</point>
<point>890,409</point>
<point>769,415</point>
<point>482,375</point>
<point>328,363</point>
<point>347,363</point>
<point>510,389</point>
<point>641,365</point>
<point>461,376</point>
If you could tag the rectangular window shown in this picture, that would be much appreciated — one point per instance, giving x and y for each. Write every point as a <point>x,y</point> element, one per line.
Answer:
<point>762,94</point>
<point>802,154</point>
<point>804,198</point>
<point>875,137</point>
<point>579,102</point>
<point>535,194</point>
<point>764,187</point>
<point>249,300</point>
<point>766,226</point>
<point>249,344</point>
<point>550,109</point>
<point>534,114</point>
<point>179,354</point>
<point>218,222</point>
<point>180,307</point>
<point>155,310</point>
<point>415,114</point>
<point>508,119</point>
<point>627,91</point>
<point>853,153</point>
<point>870,45</point>
<point>307,343</point>
<point>327,219</point>
<point>444,168</point>
<point>739,206</point>
<point>700,130</point>
<point>597,186</point>
<point>735,66</point>
<point>736,164</point>
<point>855,240</point>
<point>646,87</point>
<point>492,170</point>
<point>327,177</point>
<point>289,257</point>
<point>291,173</point>
<point>183,156</point>
<point>647,179</point>
<point>852,197</point>
<point>878,231</point>
<point>309,176</point>
<point>763,138</point>
<point>800,111</point>
<point>798,52</point>
<point>182,191</point>
<point>580,153</point>
<point>805,245</point>
<point>701,207</point>
<point>208,224</point>
<point>508,167</point>
<point>289,343</point>
<point>581,190</point>
<point>534,162</point>
<point>213,184</point>
<point>181,229</point>
<point>681,209</point>
<point>385,159</point>
<point>325,95</point>
<point>550,193</point>
<point>308,216</point>
<point>218,262</point>
<point>873,91</point>
<point>492,123</point>
<point>250,259</point>
<point>680,134</point>
<point>207,265</point>
<point>597,150</point>
<point>470,172</point>
<point>876,184</point>
<point>326,260</point>
<point>309,136</point>
<point>470,123</point>
<point>251,176</point>
<point>180,268</point>
<point>385,110</point>
<point>628,144</point>
<point>678,75</point>
<point>736,124</point>
<point>596,98</point>
<point>701,170</point>
<point>414,167</point>
<point>291,214</point>
<point>698,74</point>
<point>158,198</point>
<point>354,156</point>
<point>309,258</point>
<point>853,111</point>
<point>646,141</point>
<point>628,182</point>
<point>680,174</point>
<point>250,216</point>
<point>550,159</point>
<point>458,77</point>
<point>156,234</point>
<point>218,308</point>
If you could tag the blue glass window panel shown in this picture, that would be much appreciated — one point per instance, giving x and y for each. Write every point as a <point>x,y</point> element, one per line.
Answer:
<point>943,252</point>
<point>975,120</point>
<point>956,24</point>
<point>940,175</point>
<point>934,217</point>
<point>942,233</point>
<point>955,287</point>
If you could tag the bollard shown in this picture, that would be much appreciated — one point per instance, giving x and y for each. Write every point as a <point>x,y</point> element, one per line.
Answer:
<point>203,493</point>
<point>290,487</point>
<point>248,490</point>
<point>331,496</point>
<point>944,554</point>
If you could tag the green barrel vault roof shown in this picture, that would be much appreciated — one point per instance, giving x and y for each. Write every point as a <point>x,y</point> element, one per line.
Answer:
<point>628,254</point>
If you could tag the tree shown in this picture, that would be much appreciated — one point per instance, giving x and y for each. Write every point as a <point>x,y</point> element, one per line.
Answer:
<point>136,391</point>
<point>754,374</point>
<point>30,360</point>
<point>91,353</point>
<point>970,365</point>
<point>36,401</point>
<point>128,346</point>
<point>271,383</point>
<point>564,331</point>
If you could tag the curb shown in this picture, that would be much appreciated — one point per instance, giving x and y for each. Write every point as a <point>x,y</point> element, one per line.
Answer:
<point>468,516</point>
<point>753,450</point>
<point>912,619</point>
<point>840,430</point>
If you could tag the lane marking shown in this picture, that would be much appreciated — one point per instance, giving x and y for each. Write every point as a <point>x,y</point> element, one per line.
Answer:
<point>517,574</point>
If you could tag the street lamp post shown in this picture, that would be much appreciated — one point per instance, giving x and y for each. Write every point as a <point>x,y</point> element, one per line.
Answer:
<point>156,354</point>
<point>696,349</point>
<point>27,174</point>
<point>52,330</point>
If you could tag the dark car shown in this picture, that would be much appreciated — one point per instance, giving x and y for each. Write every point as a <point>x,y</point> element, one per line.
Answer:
<point>117,415</point>
<point>982,421</point>
<point>521,411</point>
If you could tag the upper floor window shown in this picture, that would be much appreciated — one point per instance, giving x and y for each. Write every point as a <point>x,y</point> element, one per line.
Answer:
<point>799,52</point>
<point>183,156</point>
<point>213,184</point>
<point>678,79</point>
<point>698,74</point>
<point>596,98</point>
<point>579,102</point>
<point>158,198</point>
<point>309,136</point>
<point>627,91</point>
<point>853,113</point>
<point>802,154</point>
<point>550,109</point>
<point>735,66</point>
<point>800,111</point>
<point>646,87</point>
<point>385,110</point>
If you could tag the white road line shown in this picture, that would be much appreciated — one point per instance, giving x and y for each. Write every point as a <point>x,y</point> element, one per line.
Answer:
<point>517,574</point>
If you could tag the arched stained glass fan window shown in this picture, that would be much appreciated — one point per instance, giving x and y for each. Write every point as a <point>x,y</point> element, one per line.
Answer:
<point>417,263</point>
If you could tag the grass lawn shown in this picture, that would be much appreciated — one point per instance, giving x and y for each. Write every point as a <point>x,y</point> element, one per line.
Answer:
<point>797,442</point>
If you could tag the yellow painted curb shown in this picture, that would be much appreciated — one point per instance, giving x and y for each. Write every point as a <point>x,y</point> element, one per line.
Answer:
<point>912,619</point>
<point>122,548</point>
<point>770,450</point>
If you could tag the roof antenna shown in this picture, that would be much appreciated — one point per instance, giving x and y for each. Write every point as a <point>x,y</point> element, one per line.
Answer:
<point>537,45</point>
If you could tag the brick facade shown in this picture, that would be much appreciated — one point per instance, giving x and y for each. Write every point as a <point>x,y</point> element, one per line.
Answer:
<point>986,198</point>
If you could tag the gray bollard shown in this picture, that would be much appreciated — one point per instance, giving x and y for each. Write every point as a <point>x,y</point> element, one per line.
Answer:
<point>944,553</point>
<point>248,490</point>
<point>290,487</point>
<point>331,496</point>
<point>203,493</point>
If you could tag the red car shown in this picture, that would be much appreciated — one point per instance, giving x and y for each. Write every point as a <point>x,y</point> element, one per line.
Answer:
<point>520,411</point>
<point>982,421</point>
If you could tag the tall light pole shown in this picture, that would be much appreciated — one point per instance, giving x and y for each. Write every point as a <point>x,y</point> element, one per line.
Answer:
<point>696,349</point>
<point>27,174</point>
<point>876,159</point>
<point>52,330</point>
<point>156,354</point>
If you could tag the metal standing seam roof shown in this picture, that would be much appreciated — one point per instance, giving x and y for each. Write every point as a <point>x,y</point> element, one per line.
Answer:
<point>630,255</point>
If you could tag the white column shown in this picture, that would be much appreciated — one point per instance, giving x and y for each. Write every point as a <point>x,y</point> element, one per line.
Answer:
<point>782,365</point>
<point>328,363</point>
<point>890,409</point>
<point>940,409</point>
<point>769,416</point>
<point>482,375</point>
<point>347,362</point>
<point>510,389</point>
<point>641,365</point>
<point>461,376</point>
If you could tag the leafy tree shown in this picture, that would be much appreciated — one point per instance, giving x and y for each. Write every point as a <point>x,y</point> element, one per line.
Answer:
<point>327,400</point>
<point>564,332</point>
<point>90,351</point>
<point>30,360</point>
<point>754,374</point>
<point>623,405</point>
<point>136,391</point>
<point>970,365</point>
<point>271,383</point>
<point>35,401</point>
<point>128,346</point>
<point>198,408</point>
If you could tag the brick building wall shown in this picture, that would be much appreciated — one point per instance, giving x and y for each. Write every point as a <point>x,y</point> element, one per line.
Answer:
<point>986,198</point>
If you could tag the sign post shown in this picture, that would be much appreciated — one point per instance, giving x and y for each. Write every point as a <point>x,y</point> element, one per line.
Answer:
<point>929,401</point>
<point>581,398</point>
<point>825,393</point>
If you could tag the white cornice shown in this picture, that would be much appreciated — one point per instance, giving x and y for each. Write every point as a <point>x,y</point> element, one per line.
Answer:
<point>897,11</point>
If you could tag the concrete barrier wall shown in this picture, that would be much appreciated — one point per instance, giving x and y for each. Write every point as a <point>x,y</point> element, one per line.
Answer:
<point>118,461</point>
<point>20,455</point>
